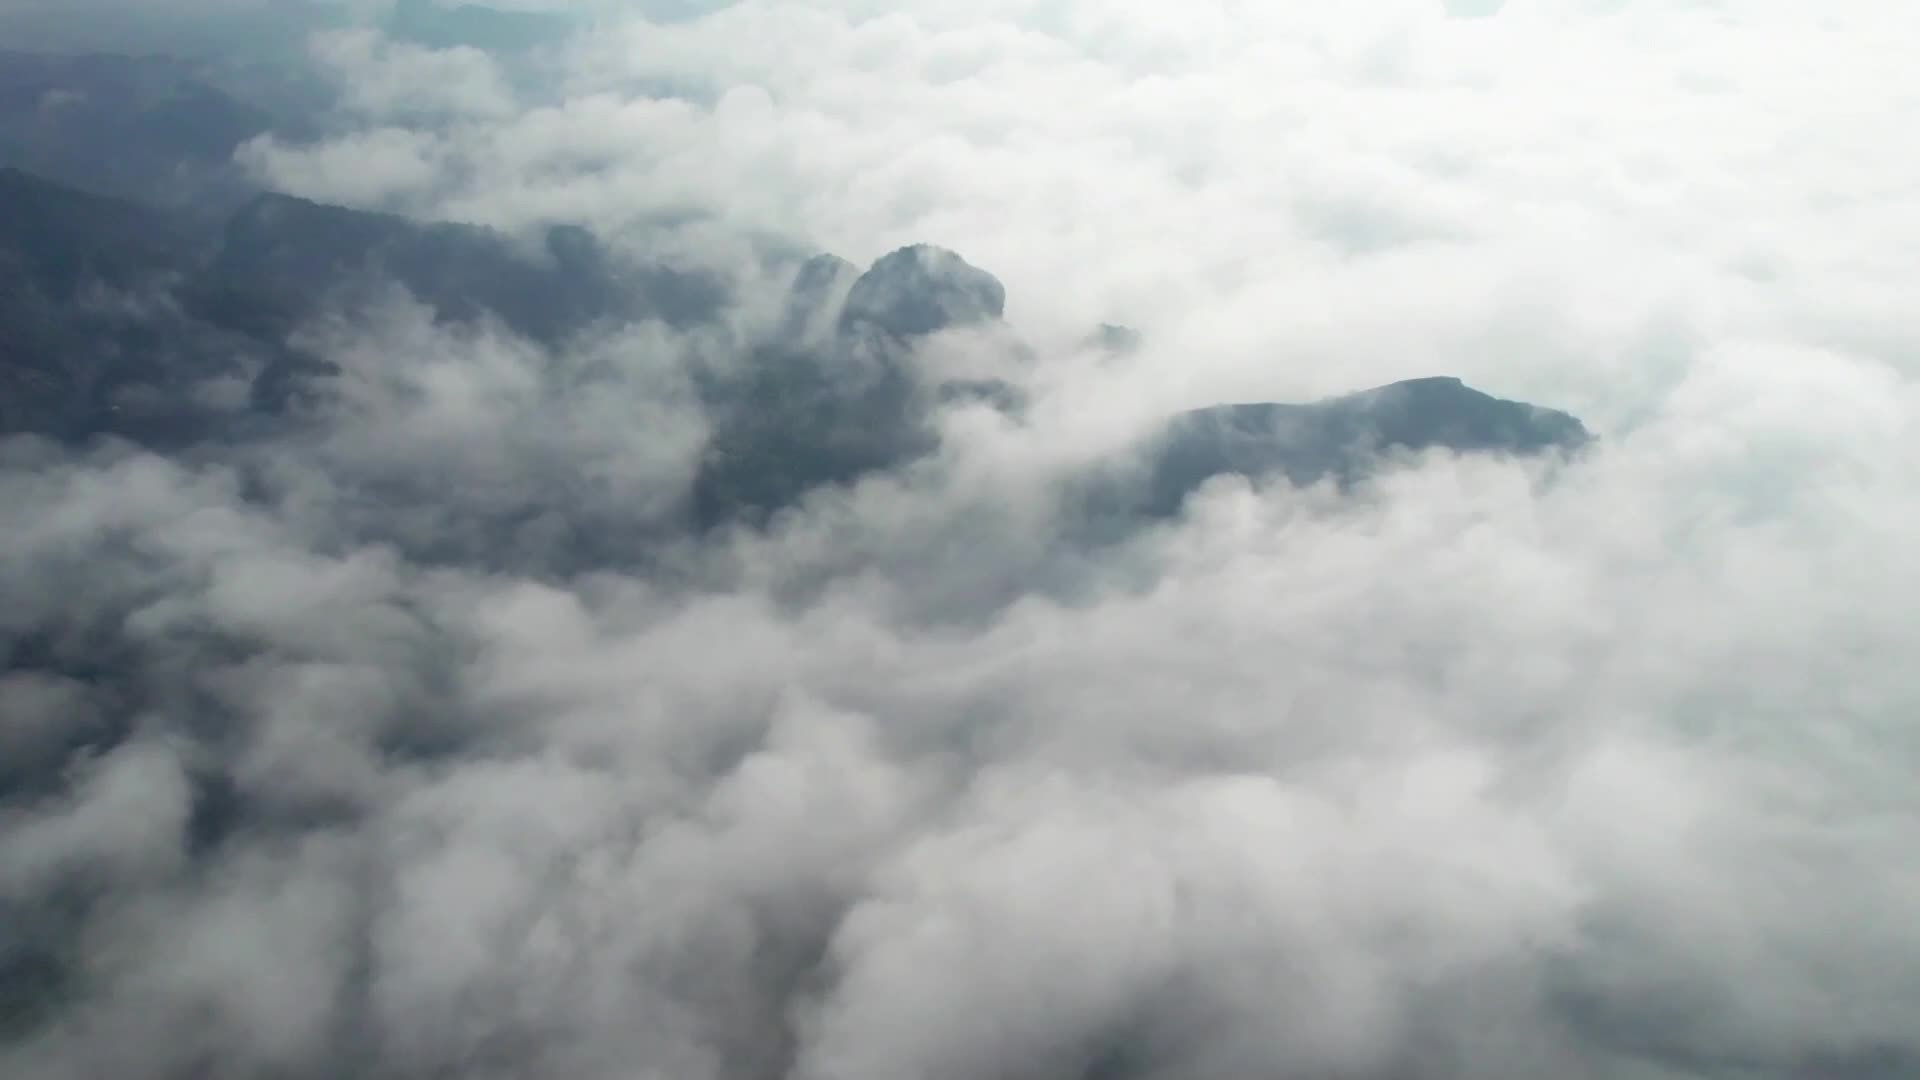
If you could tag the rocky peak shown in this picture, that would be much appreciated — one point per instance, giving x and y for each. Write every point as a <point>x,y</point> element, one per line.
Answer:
<point>920,290</point>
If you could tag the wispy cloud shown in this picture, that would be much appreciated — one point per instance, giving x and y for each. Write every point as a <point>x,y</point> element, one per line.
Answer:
<point>1478,772</point>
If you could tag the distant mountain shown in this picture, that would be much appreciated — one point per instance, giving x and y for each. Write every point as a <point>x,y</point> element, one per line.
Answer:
<point>117,318</point>
<point>55,236</point>
<point>292,247</point>
<point>816,298</point>
<point>834,395</point>
<point>146,127</point>
<point>92,335</point>
<point>476,26</point>
<point>99,295</point>
<point>275,31</point>
<point>1342,438</point>
<point>841,392</point>
<point>1117,340</point>
<point>919,290</point>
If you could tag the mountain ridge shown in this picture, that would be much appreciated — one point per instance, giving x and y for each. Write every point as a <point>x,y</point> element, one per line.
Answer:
<point>836,392</point>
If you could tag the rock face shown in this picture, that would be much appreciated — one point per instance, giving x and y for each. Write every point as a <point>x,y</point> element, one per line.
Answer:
<point>1345,437</point>
<point>817,297</point>
<point>921,290</point>
<point>134,127</point>
<point>1117,340</point>
<point>111,314</point>
<point>294,247</point>
<point>90,337</point>
<point>101,298</point>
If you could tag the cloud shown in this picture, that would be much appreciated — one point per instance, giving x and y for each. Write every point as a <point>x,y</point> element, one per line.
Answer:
<point>1313,163</point>
<point>376,168</point>
<point>381,79</point>
<point>1481,771</point>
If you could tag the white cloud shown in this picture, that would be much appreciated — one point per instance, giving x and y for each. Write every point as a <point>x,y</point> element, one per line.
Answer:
<point>1264,186</point>
<point>1485,772</point>
<point>380,79</point>
<point>377,168</point>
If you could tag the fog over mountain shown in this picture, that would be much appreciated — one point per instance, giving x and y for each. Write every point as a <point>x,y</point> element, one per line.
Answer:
<point>930,541</point>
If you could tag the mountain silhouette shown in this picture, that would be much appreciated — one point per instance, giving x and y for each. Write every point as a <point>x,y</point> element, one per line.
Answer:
<point>1345,437</point>
<point>114,317</point>
<point>922,289</point>
<point>148,127</point>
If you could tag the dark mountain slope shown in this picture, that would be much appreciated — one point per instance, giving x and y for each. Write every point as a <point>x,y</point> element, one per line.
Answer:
<point>92,334</point>
<point>146,127</point>
<point>116,318</point>
<point>58,236</point>
<point>921,290</point>
<point>292,247</point>
<point>1343,437</point>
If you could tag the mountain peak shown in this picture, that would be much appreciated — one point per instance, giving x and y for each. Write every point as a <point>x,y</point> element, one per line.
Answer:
<point>922,289</point>
<point>1347,436</point>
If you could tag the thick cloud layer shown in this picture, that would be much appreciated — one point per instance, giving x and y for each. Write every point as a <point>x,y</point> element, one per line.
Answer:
<point>318,760</point>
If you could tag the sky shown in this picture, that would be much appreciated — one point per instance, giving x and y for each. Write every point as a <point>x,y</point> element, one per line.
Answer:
<point>1488,771</point>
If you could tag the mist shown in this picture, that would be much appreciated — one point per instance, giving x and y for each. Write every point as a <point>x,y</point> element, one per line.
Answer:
<point>423,731</point>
